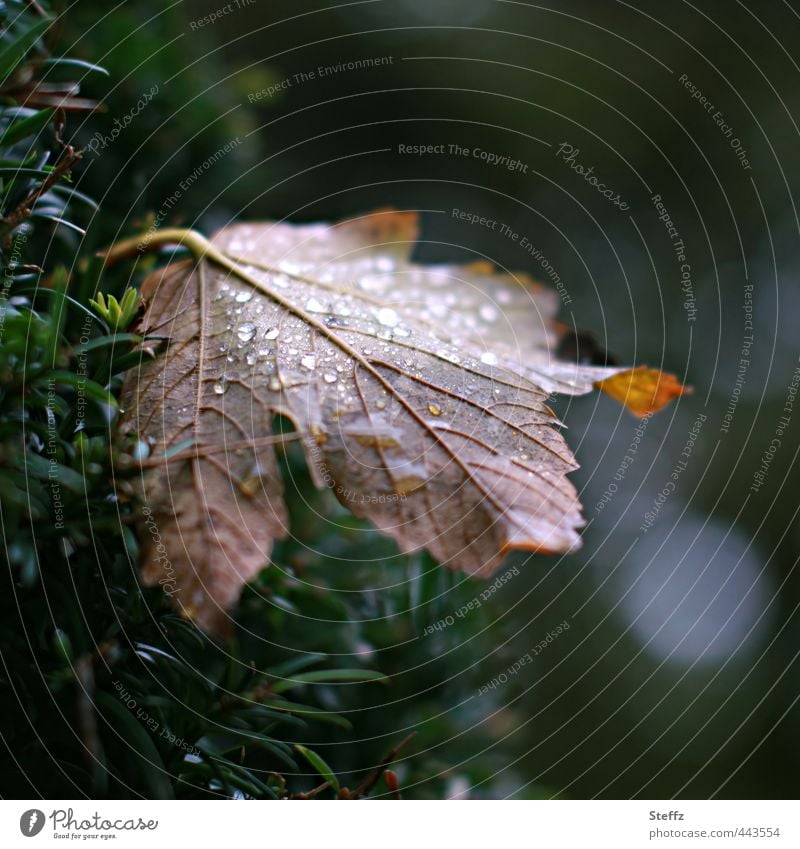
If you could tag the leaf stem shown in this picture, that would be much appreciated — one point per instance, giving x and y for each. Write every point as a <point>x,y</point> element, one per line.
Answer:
<point>195,242</point>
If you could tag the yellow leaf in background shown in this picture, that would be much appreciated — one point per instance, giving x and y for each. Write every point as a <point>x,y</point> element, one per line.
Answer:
<point>643,390</point>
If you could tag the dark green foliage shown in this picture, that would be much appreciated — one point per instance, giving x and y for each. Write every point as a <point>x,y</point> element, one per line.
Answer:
<point>105,692</point>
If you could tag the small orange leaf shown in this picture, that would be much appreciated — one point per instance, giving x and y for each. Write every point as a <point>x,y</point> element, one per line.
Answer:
<point>643,390</point>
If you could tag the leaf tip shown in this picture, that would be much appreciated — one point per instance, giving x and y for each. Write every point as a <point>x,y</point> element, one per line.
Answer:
<point>643,391</point>
<point>559,540</point>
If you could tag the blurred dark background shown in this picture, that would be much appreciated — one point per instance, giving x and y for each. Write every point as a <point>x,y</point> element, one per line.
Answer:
<point>678,674</point>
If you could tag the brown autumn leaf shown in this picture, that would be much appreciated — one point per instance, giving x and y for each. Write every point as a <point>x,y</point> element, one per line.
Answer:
<point>418,392</point>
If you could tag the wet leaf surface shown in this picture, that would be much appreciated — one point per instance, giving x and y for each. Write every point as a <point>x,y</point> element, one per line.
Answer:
<point>418,393</point>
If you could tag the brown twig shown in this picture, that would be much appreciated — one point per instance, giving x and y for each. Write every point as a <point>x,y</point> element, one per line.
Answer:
<point>23,209</point>
<point>373,777</point>
<point>85,710</point>
<point>310,794</point>
<point>36,8</point>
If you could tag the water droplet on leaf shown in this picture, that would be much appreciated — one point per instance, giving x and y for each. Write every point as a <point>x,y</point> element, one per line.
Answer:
<point>246,332</point>
<point>388,317</point>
